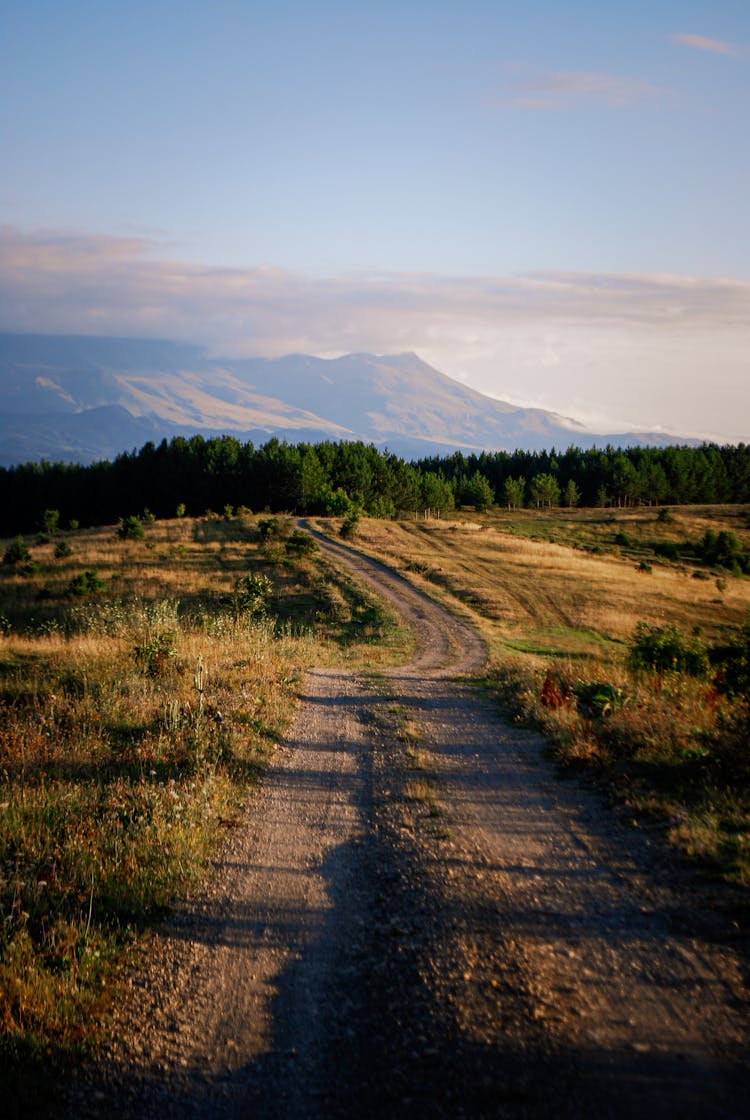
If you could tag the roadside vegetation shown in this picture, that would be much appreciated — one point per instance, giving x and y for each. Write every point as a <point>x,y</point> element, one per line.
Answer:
<point>146,673</point>
<point>148,669</point>
<point>634,661</point>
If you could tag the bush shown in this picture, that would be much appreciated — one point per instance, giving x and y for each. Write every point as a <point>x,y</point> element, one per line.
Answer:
<point>268,527</point>
<point>301,544</point>
<point>156,652</point>
<point>668,550</point>
<point>16,552</point>
<point>664,649</point>
<point>350,526</point>
<point>597,698</point>
<point>62,549</point>
<point>85,583</point>
<point>733,662</point>
<point>50,521</point>
<point>131,529</point>
<point>724,550</point>
<point>250,594</point>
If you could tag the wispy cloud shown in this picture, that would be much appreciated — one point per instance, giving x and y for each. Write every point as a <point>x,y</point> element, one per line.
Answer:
<point>703,43</point>
<point>668,350</point>
<point>561,89</point>
<point>88,284</point>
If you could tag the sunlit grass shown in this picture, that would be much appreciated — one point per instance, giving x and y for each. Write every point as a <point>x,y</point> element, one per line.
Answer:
<point>133,722</point>
<point>557,598</point>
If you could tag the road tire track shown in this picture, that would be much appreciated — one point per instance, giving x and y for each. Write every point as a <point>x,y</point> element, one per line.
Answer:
<point>501,947</point>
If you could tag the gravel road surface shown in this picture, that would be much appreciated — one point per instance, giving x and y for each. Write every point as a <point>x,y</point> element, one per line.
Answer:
<point>417,918</point>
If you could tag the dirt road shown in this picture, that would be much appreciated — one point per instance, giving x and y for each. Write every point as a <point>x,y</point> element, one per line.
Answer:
<point>418,919</point>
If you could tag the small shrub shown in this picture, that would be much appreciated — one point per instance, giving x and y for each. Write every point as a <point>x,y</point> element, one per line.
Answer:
<point>250,594</point>
<point>131,529</point>
<point>597,698</point>
<point>727,552</point>
<point>85,583</point>
<point>73,524</point>
<point>16,552</point>
<point>350,526</point>
<point>273,554</point>
<point>50,521</point>
<point>664,515</point>
<point>623,540</point>
<point>644,566</point>
<point>29,569</point>
<point>733,663</point>
<point>301,544</point>
<point>664,649</point>
<point>62,549</point>
<point>268,527</point>
<point>154,654</point>
<point>418,566</point>
<point>181,509</point>
<point>668,550</point>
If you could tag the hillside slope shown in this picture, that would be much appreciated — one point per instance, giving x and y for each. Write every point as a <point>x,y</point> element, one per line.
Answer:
<point>76,398</point>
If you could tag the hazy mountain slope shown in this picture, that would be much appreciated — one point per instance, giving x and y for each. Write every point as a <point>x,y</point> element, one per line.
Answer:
<point>172,383</point>
<point>400,395</point>
<point>77,398</point>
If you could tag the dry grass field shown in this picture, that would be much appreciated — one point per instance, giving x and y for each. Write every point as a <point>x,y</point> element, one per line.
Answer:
<point>145,682</point>
<point>556,583</point>
<point>559,596</point>
<point>143,685</point>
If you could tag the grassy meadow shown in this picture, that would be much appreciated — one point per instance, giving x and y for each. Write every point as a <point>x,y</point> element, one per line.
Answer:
<point>144,682</point>
<point>143,686</point>
<point>559,596</point>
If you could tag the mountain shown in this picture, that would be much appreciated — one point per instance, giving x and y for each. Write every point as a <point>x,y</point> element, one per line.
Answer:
<point>78,399</point>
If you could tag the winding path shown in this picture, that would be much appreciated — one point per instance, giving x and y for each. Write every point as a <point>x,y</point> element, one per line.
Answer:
<point>493,944</point>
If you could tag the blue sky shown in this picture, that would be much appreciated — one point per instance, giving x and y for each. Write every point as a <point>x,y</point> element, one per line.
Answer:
<point>547,200</point>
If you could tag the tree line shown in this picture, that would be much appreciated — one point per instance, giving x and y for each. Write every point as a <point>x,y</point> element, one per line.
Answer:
<point>197,474</point>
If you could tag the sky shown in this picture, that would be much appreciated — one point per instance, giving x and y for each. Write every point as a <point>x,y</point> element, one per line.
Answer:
<point>547,201</point>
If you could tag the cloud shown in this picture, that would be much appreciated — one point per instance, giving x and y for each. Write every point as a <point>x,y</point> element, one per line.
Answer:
<point>703,43</point>
<point>561,89</point>
<point>673,348</point>
<point>87,283</point>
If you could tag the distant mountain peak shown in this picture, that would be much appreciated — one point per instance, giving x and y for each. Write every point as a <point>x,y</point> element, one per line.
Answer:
<point>82,398</point>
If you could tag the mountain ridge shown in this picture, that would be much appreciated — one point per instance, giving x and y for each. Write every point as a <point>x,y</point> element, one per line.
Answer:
<point>81,398</point>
